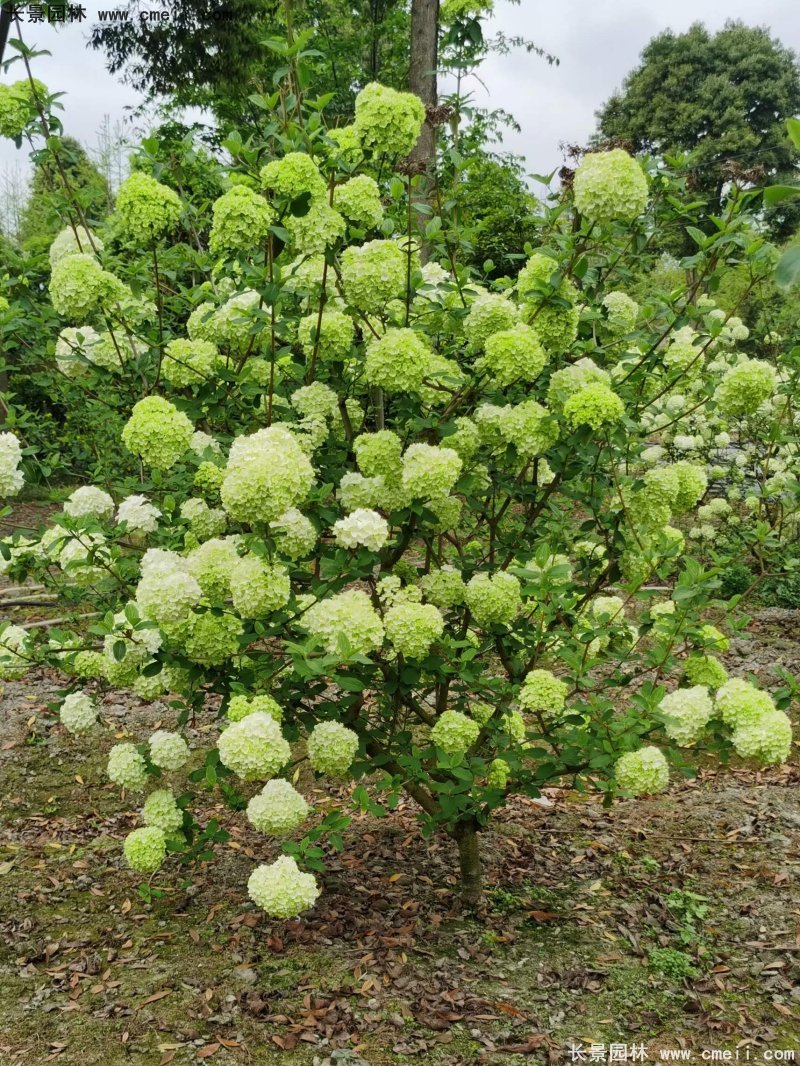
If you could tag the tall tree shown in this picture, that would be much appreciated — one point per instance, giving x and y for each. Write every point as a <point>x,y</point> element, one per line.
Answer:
<point>46,210</point>
<point>214,54</point>
<point>724,97</point>
<point>422,72</point>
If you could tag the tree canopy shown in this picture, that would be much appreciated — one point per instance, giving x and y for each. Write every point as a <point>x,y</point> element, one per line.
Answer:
<point>724,97</point>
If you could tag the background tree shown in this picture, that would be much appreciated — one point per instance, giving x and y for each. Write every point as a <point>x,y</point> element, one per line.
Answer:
<point>721,97</point>
<point>215,56</point>
<point>43,215</point>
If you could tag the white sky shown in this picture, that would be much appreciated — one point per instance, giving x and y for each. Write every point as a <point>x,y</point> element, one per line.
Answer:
<point>597,41</point>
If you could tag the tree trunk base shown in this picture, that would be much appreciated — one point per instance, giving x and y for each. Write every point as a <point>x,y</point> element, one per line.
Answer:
<point>469,857</point>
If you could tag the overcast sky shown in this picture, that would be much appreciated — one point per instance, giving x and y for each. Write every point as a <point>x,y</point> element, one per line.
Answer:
<point>597,42</point>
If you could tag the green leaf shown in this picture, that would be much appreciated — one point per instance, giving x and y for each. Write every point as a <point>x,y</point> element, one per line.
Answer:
<point>787,272</point>
<point>774,194</point>
<point>793,129</point>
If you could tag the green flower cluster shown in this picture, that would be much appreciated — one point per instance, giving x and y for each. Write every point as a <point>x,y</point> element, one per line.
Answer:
<point>498,774</point>
<point>336,334</point>
<point>258,589</point>
<point>282,889</point>
<point>595,406</point>
<point>278,809</point>
<point>168,751</point>
<point>493,599</point>
<point>71,241</point>
<point>267,473</point>
<point>430,472</point>
<point>79,287</point>
<point>704,670</point>
<point>362,527</point>
<point>455,732</point>
<point>297,533</point>
<point>555,321</point>
<point>514,355</point>
<point>609,187</point>
<point>161,811</point>
<point>373,274</point>
<point>686,711</point>
<point>147,211</point>
<point>189,362</point>
<point>241,223</point>
<point>294,175</point>
<point>157,432</point>
<point>745,387</point>
<point>411,628</point>
<point>126,767</point>
<point>331,748</point>
<point>241,706</point>
<point>642,772</point>
<point>78,712</point>
<point>543,693</point>
<point>145,849</point>
<point>212,565</point>
<point>348,615</point>
<point>621,313</point>
<point>490,313</point>
<point>359,200</point>
<point>254,747</point>
<point>398,361</point>
<point>388,122</point>
<point>444,587</point>
<point>18,105</point>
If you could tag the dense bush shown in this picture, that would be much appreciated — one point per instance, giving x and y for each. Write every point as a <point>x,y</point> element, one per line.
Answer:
<point>420,533</point>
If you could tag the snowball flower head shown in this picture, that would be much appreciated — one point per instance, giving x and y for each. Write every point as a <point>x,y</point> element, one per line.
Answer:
<point>373,274</point>
<point>621,313</point>
<point>543,693</point>
<point>157,432</point>
<point>294,175</point>
<point>740,704</point>
<point>490,313</point>
<point>254,747</point>
<point>146,209</point>
<point>443,587</point>
<point>138,514</point>
<point>398,361</point>
<point>11,480</point>
<point>379,454</point>
<point>189,362</point>
<point>257,588</point>
<point>267,473</point>
<point>705,670</point>
<point>642,772</point>
<point>768,740</point>
<point>79,286</point>
<point>430,472</point>
<point>331,748</point>
<point>241,221</point>
<point>687,712</point>
<point>331,335</point>
<point>161,810</point>
<point>240,706</point>
<point>13,662</point>
<point>18,105</point>
<point>168,751</point>
<point>278,809</point>
<point>411,628</point>
<point>362,528</point>
<point>594,406</point>
<point>297,534</point>
<point>282,889</point>
<point>145,849</point>
<point>359,200</point>
<point>455,732</point>
<point>745,387</point>
<point>498,774</point>
<point>71,241</point>
<point>211,638</point>
<point>348,616</point>
<point>514,355</point>
<point>388,122</point>
<point>555,322</point>
<point>126,767</point>
<point>167,597</point>
<point>89,502</point>
<point>493,599</point>
<point>78,713</point>
<point>610,186</point>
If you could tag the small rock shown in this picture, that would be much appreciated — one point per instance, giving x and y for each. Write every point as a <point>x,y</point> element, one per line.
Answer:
<point>245,975</point>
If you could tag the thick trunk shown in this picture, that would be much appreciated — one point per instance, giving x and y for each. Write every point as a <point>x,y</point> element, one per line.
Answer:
<point>422,71</point>
<point>465,835</point>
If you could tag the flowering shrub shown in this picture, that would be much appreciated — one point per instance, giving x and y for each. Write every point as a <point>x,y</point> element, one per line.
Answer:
<point>413,530</point>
